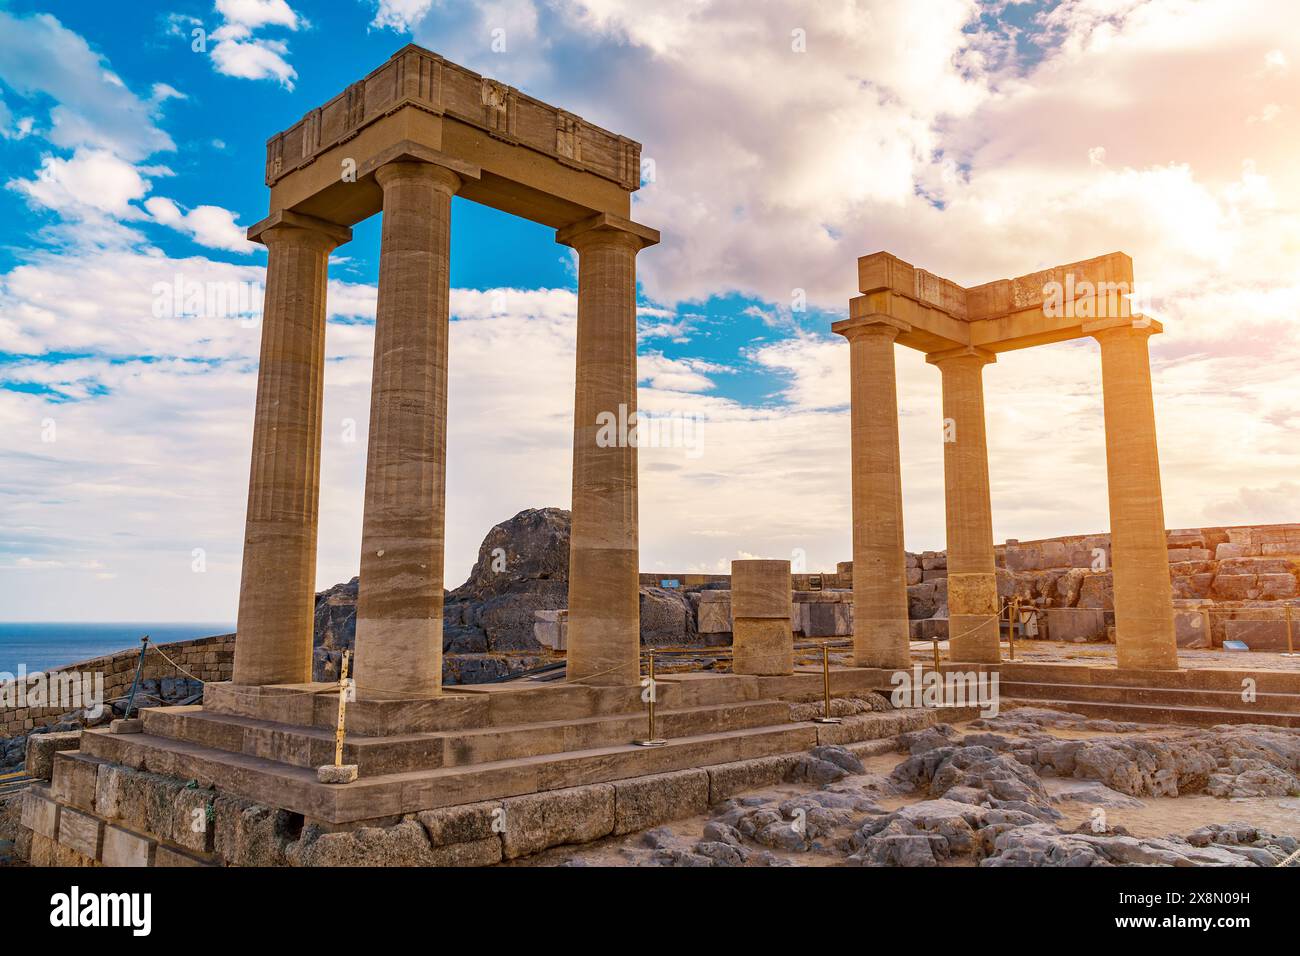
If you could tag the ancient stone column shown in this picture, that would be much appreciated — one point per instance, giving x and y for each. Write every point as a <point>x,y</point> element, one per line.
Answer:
<point>399,603</point>
<point>972,571</point>
<point>604,612</point>
<point>762,641</point>
<point>880,625</point>
<point>277,590</point>
<point>1144,613</point>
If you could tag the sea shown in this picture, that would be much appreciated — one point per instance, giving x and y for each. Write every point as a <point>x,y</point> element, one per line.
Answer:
<point>40,646</point>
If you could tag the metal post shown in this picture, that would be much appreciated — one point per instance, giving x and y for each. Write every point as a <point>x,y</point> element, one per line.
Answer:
<point>649,683</point>
<point>139,669</point>
<point>1013,620</point>
<point>826,717</point>
<point>934,641</point>
<point>343,706</point>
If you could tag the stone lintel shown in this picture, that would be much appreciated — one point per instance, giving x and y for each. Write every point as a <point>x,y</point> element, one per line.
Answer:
<point>420,78</point>
<point>856,324</point>
<point>608,222</point>
<point>285,217</point>
<point>963,351</point>
<point>885,271</point>
<point>1069,282</point>
<point>409,151</point>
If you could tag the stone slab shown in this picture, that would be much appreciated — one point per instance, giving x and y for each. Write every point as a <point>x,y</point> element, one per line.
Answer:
<point>81,832</point>
<point>644,802</point>
<point>124,848</point>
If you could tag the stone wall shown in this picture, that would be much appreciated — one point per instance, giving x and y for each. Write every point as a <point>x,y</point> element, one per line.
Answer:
<point>206,658</point>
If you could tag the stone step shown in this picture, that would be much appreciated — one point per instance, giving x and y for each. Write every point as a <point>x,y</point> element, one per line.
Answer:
<point>311,747</point>
<point>1161,714</point>
<point>297,790</point>
<point>1154,696</point>
<point>1201,678</point>
<point>473,706</point>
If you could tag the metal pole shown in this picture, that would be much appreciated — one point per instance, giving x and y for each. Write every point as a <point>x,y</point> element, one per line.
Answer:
<point>934,642</point>
<point>139,669</point>
<point>826,717</point>
<point>649,684</point>
<point>343,706</point>
<point>1013,620</point>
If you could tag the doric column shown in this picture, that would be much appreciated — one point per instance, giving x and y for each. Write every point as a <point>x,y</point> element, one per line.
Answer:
<point>277,589</point>
<point>399,604</point>
<point>880,625</point>
<point>604,615</point>
<point>1144,613</point>
<point>972,570</point>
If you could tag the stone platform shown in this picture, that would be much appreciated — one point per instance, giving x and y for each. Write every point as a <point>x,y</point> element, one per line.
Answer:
<point>493,742</point>
<point>1198,696</point>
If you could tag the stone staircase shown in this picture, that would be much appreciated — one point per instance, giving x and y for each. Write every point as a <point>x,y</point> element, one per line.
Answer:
<point>1203,697</point>
<point>490,742</point>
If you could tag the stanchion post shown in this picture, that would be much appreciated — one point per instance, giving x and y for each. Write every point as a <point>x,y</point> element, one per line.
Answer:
<point>934,643</point>
<point>826,717</point>
<point>649,683</point>
<point>1013,619</point>
<point>343,706</point>
<point>139,669</point>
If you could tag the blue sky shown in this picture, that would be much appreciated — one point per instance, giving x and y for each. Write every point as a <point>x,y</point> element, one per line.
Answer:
<point>975,139</point>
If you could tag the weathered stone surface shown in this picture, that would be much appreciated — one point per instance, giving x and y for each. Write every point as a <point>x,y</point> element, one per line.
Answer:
<point>731,778</point>
<point>81,832</point>
<point>467,823</point>
<point>541,820</point>
<point>124,848</point>
<point>643,802</point>
<point>41,749</point>
<point>40,814</point>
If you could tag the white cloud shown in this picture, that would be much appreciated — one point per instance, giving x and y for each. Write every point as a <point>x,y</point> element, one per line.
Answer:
<point>238,52</point>
<point>399,15</point>
<point>92,180</point>
<point>209,226</point>
<point>94,109</point>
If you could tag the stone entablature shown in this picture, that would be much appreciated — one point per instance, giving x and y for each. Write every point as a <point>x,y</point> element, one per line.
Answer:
<point>417,77</point>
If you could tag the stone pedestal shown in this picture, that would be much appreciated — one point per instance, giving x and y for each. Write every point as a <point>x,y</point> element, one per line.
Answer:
<point>972,575</point>
<point>399,601</point>
<point>761,639</point>
<point>604,612</point>
<point>880,623</point>
<point>1144,614</point>
<point>278,585</point>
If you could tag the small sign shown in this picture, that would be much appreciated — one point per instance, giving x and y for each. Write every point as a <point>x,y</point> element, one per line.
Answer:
<point>670,583</point>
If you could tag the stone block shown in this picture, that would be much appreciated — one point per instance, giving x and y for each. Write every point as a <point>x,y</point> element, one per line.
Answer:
<point>760,589</point>
<point>1097,591</point>
<point>484,852</point>
<point>1235,587</point>
<point>169,857</point>
<point>644,802</point>
<point>1190,629</point>
<point>726,780</point>
<point>41,749</point>
<point>1076,625</point>
<point>714,616</point>
<point>914,575</point>
<point>929,629</point>
<point>467,823</point>
<point>192,820</point>
<point>1276,587</point>
<point>73,781</point>
<point>1023,558</point>
<point>108,790</point>
<point>1260,635</point>
<point>934,561</point>
<point>537,821</point>
<point>40,814</point>
<point>124,848</point>
<point>81,832</point>
<point>1055,555</point>
<point>763,646</point>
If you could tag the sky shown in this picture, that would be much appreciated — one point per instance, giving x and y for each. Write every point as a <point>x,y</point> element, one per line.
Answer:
<point>978,140</point>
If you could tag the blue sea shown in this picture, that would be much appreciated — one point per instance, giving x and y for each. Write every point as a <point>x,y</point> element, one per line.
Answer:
<point>39,646</point>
